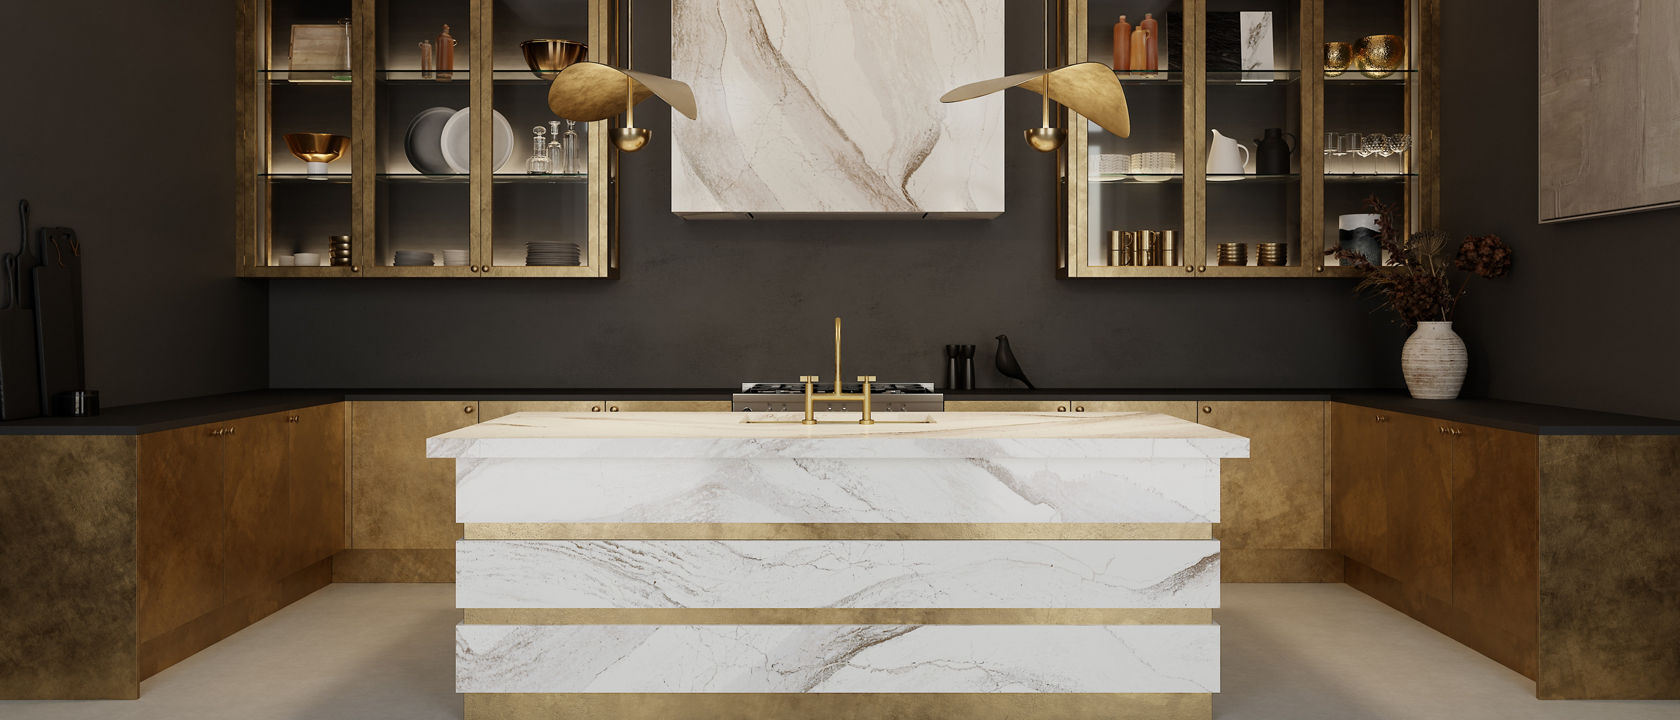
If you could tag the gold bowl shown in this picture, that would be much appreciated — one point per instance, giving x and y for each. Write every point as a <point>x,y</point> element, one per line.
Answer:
<point>548,57</point>
<point>1378,56</point>
<point>1337,55</point>
<point>631,139</point>
<point>1045,139</point>
<point>317,147</point>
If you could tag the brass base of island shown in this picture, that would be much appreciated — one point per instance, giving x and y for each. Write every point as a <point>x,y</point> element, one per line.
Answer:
<point>840,706</point>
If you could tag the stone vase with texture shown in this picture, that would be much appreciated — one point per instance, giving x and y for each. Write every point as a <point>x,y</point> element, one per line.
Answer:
<point>1434,361</point>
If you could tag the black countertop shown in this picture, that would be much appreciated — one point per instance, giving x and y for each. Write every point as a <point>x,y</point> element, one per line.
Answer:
<point>1518,417</point>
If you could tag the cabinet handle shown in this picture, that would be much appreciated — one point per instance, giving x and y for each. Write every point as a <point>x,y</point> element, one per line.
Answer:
<point>216,433</point>
<point>1443,429</point>
<point>613,409</point>
<point>594,408</point>
<point>230,431</point>
<point>468,409</point>
<point>1201,268</point>
<point>1079,408</point>
<point>1457,432</point>
<point>355,268</point>
<point>1207,409</point>
<point>1061,408</point>
<point>1382,418</point>
<point>1189,268</point>
<point>1319,269</point>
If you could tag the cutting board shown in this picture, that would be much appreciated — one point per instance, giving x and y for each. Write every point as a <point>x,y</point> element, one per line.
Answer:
<point>20,380</point>
<point>58,313</point>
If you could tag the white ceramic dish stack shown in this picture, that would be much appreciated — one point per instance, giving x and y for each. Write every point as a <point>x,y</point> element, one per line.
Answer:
<point>1154,166</point>
<point>455,258</point>
<point>413,258</point>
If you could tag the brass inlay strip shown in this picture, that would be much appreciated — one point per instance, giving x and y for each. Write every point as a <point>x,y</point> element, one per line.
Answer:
<point>838,706</point>
<point>839,531</point>
<point>839,616</point>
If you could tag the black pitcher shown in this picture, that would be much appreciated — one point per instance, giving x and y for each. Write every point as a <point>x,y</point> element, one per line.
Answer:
<point>1272,155</point>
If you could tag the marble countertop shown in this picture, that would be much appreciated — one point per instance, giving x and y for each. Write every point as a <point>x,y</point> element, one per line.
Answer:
<point>895,435</point>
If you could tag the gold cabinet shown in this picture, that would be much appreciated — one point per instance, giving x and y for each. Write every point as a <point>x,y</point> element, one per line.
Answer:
<point>1359,514</point>
<point>492,409</point>
<point>1160,178</point>
<point>473,197</point>
<point>402,503</point>
<point>237,520</point>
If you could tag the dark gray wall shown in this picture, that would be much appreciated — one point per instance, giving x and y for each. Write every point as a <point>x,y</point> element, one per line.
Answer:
<point>1589,316</point>
<point>712,303</point>
<point>118,122</point>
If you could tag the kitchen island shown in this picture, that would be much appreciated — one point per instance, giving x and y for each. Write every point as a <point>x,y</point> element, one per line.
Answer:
<point>713,565</point>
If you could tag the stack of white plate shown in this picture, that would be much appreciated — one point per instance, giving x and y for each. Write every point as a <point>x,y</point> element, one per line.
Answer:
<point>553,253</point>
<point>452,258</point>
<point>413,258</point>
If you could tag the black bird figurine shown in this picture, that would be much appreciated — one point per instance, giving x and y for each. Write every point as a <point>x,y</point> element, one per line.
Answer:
<point>1006,363</point>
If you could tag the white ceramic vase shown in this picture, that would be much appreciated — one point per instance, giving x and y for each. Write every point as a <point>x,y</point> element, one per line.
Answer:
<point>1434,361</point>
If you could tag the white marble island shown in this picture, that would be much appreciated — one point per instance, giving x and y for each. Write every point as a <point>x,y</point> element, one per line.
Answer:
<point>708,565</point>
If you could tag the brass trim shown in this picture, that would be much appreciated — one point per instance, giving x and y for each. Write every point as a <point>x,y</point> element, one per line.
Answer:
<point>839,531</point>
<point>837,616</point>
<point>838,706</point>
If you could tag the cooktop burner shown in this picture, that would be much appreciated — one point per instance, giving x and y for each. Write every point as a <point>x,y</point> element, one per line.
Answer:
<point>799,388</point>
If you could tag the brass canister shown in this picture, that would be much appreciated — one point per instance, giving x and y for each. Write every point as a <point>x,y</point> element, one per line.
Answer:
<point>1169,248</point>
<point>1114,247</point>
<point>1149,249</point>
<point>1128,247</point>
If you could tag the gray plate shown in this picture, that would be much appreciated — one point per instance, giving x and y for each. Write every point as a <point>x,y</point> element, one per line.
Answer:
<point>424,143</point>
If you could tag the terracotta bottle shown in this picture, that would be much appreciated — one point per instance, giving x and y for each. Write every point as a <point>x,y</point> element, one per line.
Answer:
<point>445,55</point>
<point>1151,52</point>
<point>1122,44</point>
<point>1140,43</point>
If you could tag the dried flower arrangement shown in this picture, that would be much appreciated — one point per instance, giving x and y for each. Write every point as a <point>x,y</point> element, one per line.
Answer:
<point>1413,280</point>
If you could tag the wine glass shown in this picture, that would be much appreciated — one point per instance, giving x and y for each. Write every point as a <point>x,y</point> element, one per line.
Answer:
<point>1373,144</point>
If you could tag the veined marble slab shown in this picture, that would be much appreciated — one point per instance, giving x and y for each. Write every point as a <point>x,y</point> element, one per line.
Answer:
<point>837,658</point>
<point>822,490</point>
<point>754,435</point>
<point>837,574</point>
<point>833,107</point>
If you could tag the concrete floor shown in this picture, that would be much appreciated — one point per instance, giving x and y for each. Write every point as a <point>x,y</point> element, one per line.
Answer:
<point>1291,652</point>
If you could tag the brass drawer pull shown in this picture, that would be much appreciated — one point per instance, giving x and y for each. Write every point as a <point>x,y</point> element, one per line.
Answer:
<point>613,409</point>
<point>468,409</point>
<point>1061,408</point>
<point>594,408</point>
<point>1207,409</point>
<point>1079,408</point>
<point>1382,418</point>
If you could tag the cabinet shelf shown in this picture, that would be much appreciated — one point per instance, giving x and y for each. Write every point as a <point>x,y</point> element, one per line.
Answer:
<point>1368,177</point>
<point>330,179</point>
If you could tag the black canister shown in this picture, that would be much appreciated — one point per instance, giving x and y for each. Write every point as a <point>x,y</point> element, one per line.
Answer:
<point>1272,153</point>
<point>76,403</point>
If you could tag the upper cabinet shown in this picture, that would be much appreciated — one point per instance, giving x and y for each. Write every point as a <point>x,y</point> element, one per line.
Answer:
<point>1246,148</point>
<point>428,138</point>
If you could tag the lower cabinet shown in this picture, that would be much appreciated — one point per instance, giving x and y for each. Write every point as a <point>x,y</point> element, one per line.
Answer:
<point>236,520</point>
<point>1440,520</point>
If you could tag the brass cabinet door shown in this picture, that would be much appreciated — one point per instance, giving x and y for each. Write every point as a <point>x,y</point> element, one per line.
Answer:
<point>1181,409</point>
<point>1359,516</point>
<point>1417,489</point>
<point>1495,540</point>
<point>492,409</point>
<point>256,500</point>
<point>1007,405</point>
<point>1274,499</point>
<point>180,529</point>
<point>316,449</point>
<point>402,499</point>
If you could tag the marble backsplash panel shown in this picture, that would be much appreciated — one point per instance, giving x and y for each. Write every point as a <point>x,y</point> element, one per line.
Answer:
<point>833,107</point>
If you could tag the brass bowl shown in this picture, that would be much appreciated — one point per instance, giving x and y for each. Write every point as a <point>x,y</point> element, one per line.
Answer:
<point>317,147</point>
<point>1045,139</point>
<point>1337,55</point>
<point>631,139</point>
<point>548,57</point>
<point>1378,56</point>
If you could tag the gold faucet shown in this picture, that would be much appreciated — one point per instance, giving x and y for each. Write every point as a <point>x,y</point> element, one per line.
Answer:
<point>811,395</point>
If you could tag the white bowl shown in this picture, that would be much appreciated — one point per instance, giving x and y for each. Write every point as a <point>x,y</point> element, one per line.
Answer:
<point>306,259</point>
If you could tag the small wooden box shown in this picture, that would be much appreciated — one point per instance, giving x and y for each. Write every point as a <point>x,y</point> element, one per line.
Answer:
<point>319,53</point>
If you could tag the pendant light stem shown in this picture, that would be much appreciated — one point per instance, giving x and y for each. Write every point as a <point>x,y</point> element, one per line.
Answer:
<point>629,102</point>
<point>1044,9</point>
<point>629,51</point>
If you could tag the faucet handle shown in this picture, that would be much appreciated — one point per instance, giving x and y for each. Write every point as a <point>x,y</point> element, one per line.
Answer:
<point>807,378</point>
<point>866,378</point>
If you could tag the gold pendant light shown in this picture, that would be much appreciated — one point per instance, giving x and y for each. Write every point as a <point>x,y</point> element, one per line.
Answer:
<point>1087,88</point>
<point>590,91</point>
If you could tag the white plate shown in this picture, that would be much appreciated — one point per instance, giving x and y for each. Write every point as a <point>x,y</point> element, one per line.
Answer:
<point>424,143</point>
<point>457,140</point>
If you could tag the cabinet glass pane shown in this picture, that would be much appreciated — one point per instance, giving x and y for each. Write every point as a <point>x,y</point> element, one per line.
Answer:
<point>424,197</point>
<point>538,210</point>
<point>1254,101</point>
<point>300,206</point>
<point>1136,183</point>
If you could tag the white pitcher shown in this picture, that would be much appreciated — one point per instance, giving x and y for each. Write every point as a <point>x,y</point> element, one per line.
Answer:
<point>1226,157</point>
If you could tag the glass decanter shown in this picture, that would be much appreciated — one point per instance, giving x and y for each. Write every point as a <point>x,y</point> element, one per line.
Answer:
<point>537,164</point>
<point>572,156</point>
<point>556,151</point>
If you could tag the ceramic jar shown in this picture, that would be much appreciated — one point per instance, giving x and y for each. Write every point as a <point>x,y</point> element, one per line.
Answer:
<point>1434,362</point>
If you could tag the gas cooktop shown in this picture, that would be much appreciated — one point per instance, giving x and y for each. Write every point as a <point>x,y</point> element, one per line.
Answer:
<point>885,397</point>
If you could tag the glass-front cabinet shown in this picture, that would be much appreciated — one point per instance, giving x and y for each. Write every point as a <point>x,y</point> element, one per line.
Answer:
<point>1246,149</point>
<point>434,114</point>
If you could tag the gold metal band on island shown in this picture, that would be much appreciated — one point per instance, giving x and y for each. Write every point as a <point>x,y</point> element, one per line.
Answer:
<point>840,706</point>
<point>839,531</point>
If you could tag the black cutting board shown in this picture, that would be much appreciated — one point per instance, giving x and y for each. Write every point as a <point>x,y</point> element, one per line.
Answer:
<point>20,380</point>
<point>58,313</point>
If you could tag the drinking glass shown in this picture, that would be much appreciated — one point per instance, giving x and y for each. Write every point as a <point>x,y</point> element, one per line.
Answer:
<point>1372,144</point>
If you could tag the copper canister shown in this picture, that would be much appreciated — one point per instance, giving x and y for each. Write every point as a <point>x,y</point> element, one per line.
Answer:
<point>1128,247</point>
<point>1169,247</point>
<point>1114,247</point>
